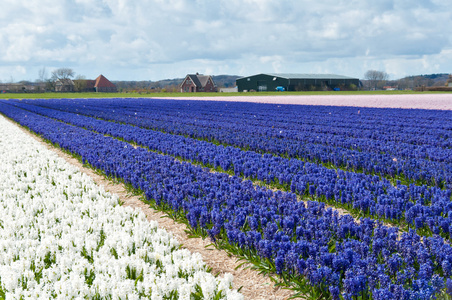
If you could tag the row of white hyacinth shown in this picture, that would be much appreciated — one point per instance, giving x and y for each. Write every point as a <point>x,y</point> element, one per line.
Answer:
<point>61,236</point>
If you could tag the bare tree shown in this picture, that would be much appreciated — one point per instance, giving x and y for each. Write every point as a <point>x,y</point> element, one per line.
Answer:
<point>80,83</point>
<point>63,73</point>
<point>42,75</point>
<point>50,85</point>
<point>376,78</point>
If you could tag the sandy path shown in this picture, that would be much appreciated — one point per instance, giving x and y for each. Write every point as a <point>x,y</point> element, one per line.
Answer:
<point>423,101</point>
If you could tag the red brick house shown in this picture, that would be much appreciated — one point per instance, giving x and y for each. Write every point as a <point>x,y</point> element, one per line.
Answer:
<point>99,85</point>
<point>102,84</point>
<point>197,83</point>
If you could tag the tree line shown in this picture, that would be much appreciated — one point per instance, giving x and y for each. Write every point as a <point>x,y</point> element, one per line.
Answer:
<point>377,80</point>
<point>373,80</point>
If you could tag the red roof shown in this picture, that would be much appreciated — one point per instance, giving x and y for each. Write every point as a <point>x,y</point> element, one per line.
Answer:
<point>101,81</point>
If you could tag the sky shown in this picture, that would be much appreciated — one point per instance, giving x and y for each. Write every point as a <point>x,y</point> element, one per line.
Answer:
<point>166,39</point>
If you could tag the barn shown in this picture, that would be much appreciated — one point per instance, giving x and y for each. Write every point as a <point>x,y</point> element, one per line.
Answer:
<point>295,82</point>
<point>103,85</point>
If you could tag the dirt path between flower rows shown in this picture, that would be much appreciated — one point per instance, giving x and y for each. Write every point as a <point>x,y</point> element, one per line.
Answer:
<point>252,284</point>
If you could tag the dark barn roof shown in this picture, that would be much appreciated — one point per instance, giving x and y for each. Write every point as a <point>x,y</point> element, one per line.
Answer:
<point>306,76</point>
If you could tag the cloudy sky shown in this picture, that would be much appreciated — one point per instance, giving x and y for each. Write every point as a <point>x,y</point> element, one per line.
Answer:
<point>158,39</point>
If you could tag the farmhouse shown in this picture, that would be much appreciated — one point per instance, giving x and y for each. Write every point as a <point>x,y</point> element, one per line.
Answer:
<point>197,83</point>
<point>103,85</point>
<point>99,85</point>
<point>295,82</point>
<point>64,85</point>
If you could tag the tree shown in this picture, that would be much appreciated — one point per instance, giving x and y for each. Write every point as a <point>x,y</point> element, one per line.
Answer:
<point>376,78</point>
<point>62,73</point>
<point>80,83</point>
<point>49,85</point>
<point>42,75</point>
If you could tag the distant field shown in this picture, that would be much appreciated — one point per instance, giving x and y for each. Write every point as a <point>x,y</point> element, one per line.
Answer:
<point>174,95</point>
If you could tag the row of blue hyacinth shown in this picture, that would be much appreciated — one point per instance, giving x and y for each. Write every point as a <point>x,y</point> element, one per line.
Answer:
<point>417,127</point>
<point>327,255</point>
<point>411,144</point>
<point>427,209</point>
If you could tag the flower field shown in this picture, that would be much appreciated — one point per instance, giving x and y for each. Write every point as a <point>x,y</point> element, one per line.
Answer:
<point>63,237</point>
<point>261,180</point>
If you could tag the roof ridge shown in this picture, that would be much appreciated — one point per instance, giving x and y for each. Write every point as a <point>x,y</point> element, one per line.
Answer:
<point>102,81</point>
<point>304,75</point>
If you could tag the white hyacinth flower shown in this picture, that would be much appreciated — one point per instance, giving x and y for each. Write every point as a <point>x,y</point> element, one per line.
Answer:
<point>63,236</point>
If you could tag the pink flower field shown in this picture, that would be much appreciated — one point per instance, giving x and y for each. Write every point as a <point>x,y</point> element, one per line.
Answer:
<point>419,101</point>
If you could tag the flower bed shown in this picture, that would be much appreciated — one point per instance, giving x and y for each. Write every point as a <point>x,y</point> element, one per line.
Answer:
<point>316,251</point>
<point>411,144</point>
<point>423,208</point>
<point>62,236</point>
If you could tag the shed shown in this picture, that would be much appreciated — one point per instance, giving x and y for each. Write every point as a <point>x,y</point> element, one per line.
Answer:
<point>295,82</point>
<point>229,90</point>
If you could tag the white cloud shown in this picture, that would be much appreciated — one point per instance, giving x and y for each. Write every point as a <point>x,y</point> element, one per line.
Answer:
<point>129,39</point>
